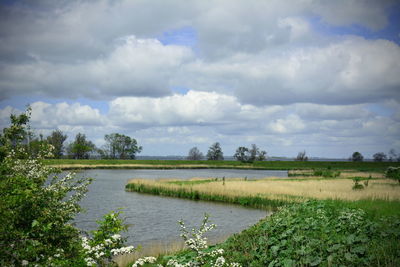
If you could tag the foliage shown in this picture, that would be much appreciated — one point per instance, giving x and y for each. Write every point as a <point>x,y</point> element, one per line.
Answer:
<point>380,156</point>
<point>249,155</point>
<point>199,254</point>
<point>393,173</point>
<point>106,242</point>
<point>301,156</point>
<point>37,205</point>
<point>81,147</point>
<point>326,173</point>
<point>357,185</point>
<point>120,146</point>
<point>17,133</point>
<point>317,233</point>
<point>357,156</point>
<point>195,154</point>
<point>215,152</point>
<point>56,139</point>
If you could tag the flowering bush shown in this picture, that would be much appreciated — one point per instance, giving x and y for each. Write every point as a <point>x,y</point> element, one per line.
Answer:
<point>37,206</point>
<point>197,243</point>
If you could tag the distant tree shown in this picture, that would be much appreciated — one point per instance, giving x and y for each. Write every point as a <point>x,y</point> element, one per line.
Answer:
<point>242,154</point>
<point>252,154</point>
<point>301,156</point>
<point>262,155</point>
<point>195,154</point>
<point>357,156</point>
<point>56,139</point>
<point>380,156</point>
<point>80,148</point>
<point>120,146</point>
<point>393,156</point>
<point>215,152</point>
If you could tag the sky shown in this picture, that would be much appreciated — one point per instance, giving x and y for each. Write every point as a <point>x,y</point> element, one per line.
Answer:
<point>320,76</point>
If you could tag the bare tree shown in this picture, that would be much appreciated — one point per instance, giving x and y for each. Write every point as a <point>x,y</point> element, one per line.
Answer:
<point>301,156</point>
<point>195,154</point>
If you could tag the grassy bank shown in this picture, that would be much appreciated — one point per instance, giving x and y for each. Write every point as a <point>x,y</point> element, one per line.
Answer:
<point>325,222</point>
<point>178,164</point>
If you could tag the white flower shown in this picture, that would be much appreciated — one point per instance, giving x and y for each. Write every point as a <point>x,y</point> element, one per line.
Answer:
<point>24,262</point>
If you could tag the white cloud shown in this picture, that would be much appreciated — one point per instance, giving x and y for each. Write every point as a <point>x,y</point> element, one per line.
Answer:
<point>191,108</point>
<point>351,71</point>
<point>140,67</point>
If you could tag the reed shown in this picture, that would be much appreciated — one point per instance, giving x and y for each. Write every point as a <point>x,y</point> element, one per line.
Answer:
<point>268,193</point>
<point>204,193</point>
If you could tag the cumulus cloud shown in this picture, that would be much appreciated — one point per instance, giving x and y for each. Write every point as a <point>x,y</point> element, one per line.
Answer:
<point>347,72</point>
<point>255,72</point>
<point>140,67</point>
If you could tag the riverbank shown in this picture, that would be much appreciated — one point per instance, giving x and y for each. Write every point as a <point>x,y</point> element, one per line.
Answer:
<point>207,164</point>
<point>325,221</point>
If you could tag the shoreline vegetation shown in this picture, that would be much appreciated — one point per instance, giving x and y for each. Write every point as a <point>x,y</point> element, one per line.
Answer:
<point>318,220</point>
<point>211,164</point>
<point>325,213</point>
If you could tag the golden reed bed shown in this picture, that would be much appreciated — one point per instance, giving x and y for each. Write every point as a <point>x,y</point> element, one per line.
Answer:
<point>280,188</point>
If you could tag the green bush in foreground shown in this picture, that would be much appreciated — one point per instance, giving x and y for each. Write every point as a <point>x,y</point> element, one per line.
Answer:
<point>37,207</point>
<point>317,233</point>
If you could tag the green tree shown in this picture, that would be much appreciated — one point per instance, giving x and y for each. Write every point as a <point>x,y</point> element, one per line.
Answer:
<point>242,154</point>
<point>120,146</point>
<point>81,148</point>
<point>56,139</point>
<point>215,152</point>
<point>17,133</point>
<point>379,157</point>
<point>357,156</point>
<point>251,154</point>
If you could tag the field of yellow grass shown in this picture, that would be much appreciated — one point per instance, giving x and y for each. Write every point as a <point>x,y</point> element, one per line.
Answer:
<point>279,188</point>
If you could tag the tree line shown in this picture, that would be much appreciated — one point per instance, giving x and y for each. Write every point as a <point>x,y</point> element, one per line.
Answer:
<point>120,146</point>
<point>117,146</point>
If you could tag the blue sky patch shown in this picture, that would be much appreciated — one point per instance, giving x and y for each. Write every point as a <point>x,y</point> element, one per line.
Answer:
<point>390,32</point>
<point>185,36</point>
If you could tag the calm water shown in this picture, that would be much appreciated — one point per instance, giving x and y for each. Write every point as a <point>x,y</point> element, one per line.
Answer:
<point>154,218</point>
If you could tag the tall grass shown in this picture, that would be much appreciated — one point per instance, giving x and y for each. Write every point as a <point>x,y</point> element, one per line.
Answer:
<point>269,192</point>
<point>189,192</point>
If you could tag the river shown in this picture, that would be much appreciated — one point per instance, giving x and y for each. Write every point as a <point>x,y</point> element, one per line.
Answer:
<point>153,219</point>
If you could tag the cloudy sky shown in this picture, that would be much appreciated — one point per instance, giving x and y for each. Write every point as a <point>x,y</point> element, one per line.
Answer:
<point>321,76</point>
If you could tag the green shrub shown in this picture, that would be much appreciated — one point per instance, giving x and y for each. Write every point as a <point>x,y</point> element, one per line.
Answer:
<point>327,173</point>
<point>317,233</point>
<point>393,173</point>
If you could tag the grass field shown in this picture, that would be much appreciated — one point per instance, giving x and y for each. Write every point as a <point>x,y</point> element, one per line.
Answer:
<point>176,164</point>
